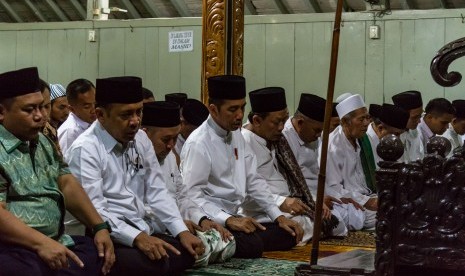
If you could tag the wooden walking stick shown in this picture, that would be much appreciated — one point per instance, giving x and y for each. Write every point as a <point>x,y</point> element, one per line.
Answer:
<point>324,149</point>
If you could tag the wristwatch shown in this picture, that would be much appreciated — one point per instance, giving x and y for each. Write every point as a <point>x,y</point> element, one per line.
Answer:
<point>101,226</point>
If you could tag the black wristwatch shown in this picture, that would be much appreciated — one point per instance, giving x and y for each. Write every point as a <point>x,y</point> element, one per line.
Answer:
<point>101,226</point>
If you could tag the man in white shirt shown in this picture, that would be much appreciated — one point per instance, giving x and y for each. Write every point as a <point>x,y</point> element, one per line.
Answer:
<point>220,173</point>
<point>457,126</point>
<point>439,112</point>
<point>413,103</point>
<point>193,114</point>
<point>81,98</point>
<point>345,178</point>
<point>390,119</point>
<point>162,124</point>
<point>80,94</point>
<point>263,134</point>
<point>302,131</point>
<point>117,167</point>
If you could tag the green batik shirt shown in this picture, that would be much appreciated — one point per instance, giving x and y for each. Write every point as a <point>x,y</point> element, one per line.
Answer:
<point>28,184</point>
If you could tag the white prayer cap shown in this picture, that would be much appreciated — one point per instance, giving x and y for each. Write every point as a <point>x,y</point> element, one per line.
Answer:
<point>349,104</point>
<point>343,97</point>
<point>57,90</point>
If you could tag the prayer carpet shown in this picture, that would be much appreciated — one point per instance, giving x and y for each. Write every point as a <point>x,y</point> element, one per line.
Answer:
<point>285,262</point>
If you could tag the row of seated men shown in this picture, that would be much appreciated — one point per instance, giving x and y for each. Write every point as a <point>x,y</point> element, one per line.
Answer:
<point>239,191</point>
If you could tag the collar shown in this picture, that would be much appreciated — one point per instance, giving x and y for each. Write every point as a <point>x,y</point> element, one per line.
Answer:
<point>8,140</point>
<point>290,125</point>
<point>425,129</point>
<point>79,122</point>
<point>110,143</point>
<point>372,133</point>
<point>221,132</point>
<point>452,131</point>
<point>346,140</point>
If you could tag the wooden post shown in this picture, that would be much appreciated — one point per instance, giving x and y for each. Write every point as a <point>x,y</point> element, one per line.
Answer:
<point>222,40</point>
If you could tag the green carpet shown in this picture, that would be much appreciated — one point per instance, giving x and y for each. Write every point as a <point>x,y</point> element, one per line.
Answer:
<point>249,267</point>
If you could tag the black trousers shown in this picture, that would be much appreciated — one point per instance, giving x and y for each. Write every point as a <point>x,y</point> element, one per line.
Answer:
<point>18,261</point>
<point>274,238</point>
<point>132,261</point>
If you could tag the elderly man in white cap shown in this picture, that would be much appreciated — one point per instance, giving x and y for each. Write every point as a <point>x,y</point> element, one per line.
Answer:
<point>345,178</point>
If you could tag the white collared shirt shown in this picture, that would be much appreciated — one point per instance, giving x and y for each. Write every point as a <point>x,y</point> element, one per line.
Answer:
<point>425,133</point>
<point>179,144</point>
<point>454,139</point>
<point>306,155</point>
<point>413,146</point>
<point>219,172</point>
<point>119,181</point>
<point>267,167</point>
<point>344,171</point>
<point>374,141</point>
<point>173,180</point>
<point>70,130</point>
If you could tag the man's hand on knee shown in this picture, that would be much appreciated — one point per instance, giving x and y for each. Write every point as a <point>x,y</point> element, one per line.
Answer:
<point>192,243</point>
<point>292,227</point>
<point>154,247</point>
<point>243,224</point>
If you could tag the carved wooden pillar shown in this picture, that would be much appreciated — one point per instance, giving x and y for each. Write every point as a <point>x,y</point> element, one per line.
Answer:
<point>222,40</point>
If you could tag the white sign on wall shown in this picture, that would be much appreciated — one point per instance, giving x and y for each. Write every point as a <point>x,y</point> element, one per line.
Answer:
<point>181,41</point>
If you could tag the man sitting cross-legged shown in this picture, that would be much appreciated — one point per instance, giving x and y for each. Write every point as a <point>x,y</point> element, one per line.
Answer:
<point>219,174</point>
<point>117,167</point>
<point>277,165</point>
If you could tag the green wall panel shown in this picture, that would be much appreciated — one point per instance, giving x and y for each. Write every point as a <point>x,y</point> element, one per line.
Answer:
<point>292,51</point>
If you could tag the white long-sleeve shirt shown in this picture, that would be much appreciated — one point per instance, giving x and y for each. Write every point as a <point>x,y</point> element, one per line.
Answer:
<point>219,172</point>
<point>425,133</point>
<point>374,141</point>
<point>173,179</point>
<point>413,147</point>
<point>306,155</point>
<point>70,130</point>
<point>267,167</point>
<point>179,144</point>
<point>454,139</point>
<point>119,181</point>
<point>344,171</point>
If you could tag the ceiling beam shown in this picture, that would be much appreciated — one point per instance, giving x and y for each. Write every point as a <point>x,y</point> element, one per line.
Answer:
<point>151,8</point>
<point>443,4</point>
<point>250,7</point>
<point>78,7</point>
<point>57,10</point>
<point>36,11</point>
<point>407,4</point>
<point>313,4</point>
<point>281,7</point>
<point>9,10</point>
<point>181,7</point>
<point>132,11</point>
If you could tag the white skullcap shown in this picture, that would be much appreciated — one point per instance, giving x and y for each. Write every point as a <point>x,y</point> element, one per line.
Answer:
<point>343,97</point>
<point>349,104</point>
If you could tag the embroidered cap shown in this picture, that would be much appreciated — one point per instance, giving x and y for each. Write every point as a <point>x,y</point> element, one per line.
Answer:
<point>161,114</point>
<point>19,82</point>
<point>124,90</point>
<point>268,99</point>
